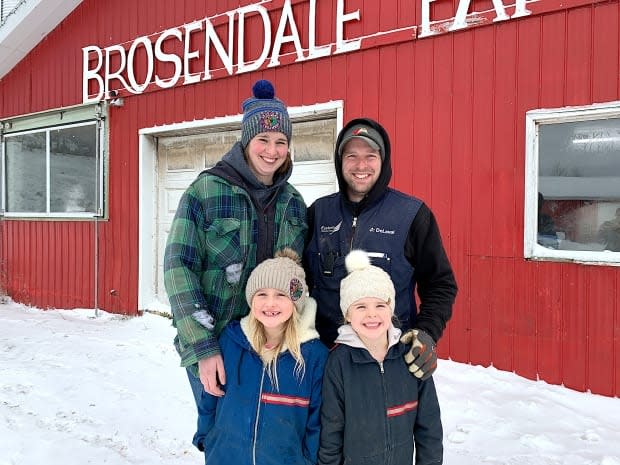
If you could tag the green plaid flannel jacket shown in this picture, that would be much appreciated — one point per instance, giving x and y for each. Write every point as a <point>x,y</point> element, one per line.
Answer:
<point>210,253</point>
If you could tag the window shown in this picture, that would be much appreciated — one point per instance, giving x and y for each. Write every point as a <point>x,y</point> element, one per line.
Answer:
<point>572,205</point>
<point>53,170</point>
<point>314,138</point>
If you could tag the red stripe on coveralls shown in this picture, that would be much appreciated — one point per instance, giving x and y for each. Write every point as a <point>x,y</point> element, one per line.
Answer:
<point>279,399</point>
<point>401,409</point>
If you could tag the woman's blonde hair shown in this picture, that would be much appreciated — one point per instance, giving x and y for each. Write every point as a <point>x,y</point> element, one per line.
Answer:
<point>291,341</point>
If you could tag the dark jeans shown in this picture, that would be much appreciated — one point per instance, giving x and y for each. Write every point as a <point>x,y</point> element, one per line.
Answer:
<point>199,392</point>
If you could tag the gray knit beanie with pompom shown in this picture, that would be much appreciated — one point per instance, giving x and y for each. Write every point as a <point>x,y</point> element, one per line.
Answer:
<point>263,112</point>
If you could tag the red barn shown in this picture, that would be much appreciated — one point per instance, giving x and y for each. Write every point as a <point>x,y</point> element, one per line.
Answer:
<point>109,109</point>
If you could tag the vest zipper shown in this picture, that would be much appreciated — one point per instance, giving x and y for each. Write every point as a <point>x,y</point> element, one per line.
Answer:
<point>353,226</point>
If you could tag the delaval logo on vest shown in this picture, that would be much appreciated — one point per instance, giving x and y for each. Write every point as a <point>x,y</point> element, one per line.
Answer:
<point>169,58</point>
<point>381,231</point>
<point>330,229</point>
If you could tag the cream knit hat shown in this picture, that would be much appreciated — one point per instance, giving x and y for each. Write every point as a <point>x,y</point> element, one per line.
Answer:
<point>284,273</point>
<point>364,280</point>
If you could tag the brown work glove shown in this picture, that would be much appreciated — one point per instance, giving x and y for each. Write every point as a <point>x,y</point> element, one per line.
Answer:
<point>422,358</point>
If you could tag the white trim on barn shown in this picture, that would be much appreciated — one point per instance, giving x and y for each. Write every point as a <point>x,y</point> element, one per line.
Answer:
<point>26,25</point>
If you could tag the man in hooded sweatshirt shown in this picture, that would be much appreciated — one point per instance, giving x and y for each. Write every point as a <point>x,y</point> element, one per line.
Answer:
<point>398,231</point>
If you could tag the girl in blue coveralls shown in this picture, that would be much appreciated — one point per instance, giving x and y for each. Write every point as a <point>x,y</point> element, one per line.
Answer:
<point>374,412</point>
<point>274,360</point>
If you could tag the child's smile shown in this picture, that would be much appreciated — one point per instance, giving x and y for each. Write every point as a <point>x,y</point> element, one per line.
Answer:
<point>272,308</point>
<point>370,318</point>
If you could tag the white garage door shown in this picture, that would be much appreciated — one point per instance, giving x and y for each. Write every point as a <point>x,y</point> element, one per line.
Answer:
<point>180,158</point>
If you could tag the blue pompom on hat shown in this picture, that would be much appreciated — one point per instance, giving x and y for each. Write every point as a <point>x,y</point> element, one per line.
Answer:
<point>264,112</point>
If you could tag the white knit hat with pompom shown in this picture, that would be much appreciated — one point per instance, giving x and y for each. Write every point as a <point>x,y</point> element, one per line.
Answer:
<point>364,280</point>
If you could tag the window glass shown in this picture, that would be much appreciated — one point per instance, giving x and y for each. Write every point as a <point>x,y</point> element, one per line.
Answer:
<point>314,140</point>
<point>73,169</point>
<point>26,186</point>
<point>195,152</point>
<point>218,144</point>
<point>53,171</point>
<point>579,185</point>
<point>312,150</point>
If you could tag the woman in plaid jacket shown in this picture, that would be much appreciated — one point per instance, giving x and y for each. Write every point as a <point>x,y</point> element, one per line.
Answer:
<point>231,218</point>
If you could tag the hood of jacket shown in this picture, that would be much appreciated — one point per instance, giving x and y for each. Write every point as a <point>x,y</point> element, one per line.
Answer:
<point>348,336</point>
<point>386,165</point>
<point>235,169</point>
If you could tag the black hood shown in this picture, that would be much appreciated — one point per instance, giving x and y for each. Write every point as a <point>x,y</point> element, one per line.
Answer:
<point>234,168</point>
<point>386,165</point>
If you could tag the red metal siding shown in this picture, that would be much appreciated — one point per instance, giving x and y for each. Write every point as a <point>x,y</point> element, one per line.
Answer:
<point>525,353</point>
<point>460,239</point>
<point>603,330</point>
<point>403,124</point>
<point>48,264</point>
<point>454,106</point>
<point>549,322</point>
<point>574,314</point>
<point>480,316</point>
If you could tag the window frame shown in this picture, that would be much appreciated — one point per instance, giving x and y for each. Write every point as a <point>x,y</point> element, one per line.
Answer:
<point>533,120</point>
<point>58,119</point>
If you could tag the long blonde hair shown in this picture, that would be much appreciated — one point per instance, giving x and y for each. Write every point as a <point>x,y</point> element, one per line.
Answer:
<point>290,341</point>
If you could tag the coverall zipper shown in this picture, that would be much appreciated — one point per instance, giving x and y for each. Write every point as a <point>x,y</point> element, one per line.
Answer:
<point>260,394</point>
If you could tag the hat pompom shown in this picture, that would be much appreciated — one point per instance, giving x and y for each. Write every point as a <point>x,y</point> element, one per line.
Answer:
<point>357,260</point>
<point>263,89</point>
<point>364,280</point>
<point>287,252</point>
<point>263,112</point>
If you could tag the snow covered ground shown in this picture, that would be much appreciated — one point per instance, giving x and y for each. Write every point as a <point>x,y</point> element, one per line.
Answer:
<point>77,389</point>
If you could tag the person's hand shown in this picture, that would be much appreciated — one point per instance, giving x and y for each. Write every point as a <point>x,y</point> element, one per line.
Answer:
<point>211,371</point>
<point>422,358</point>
